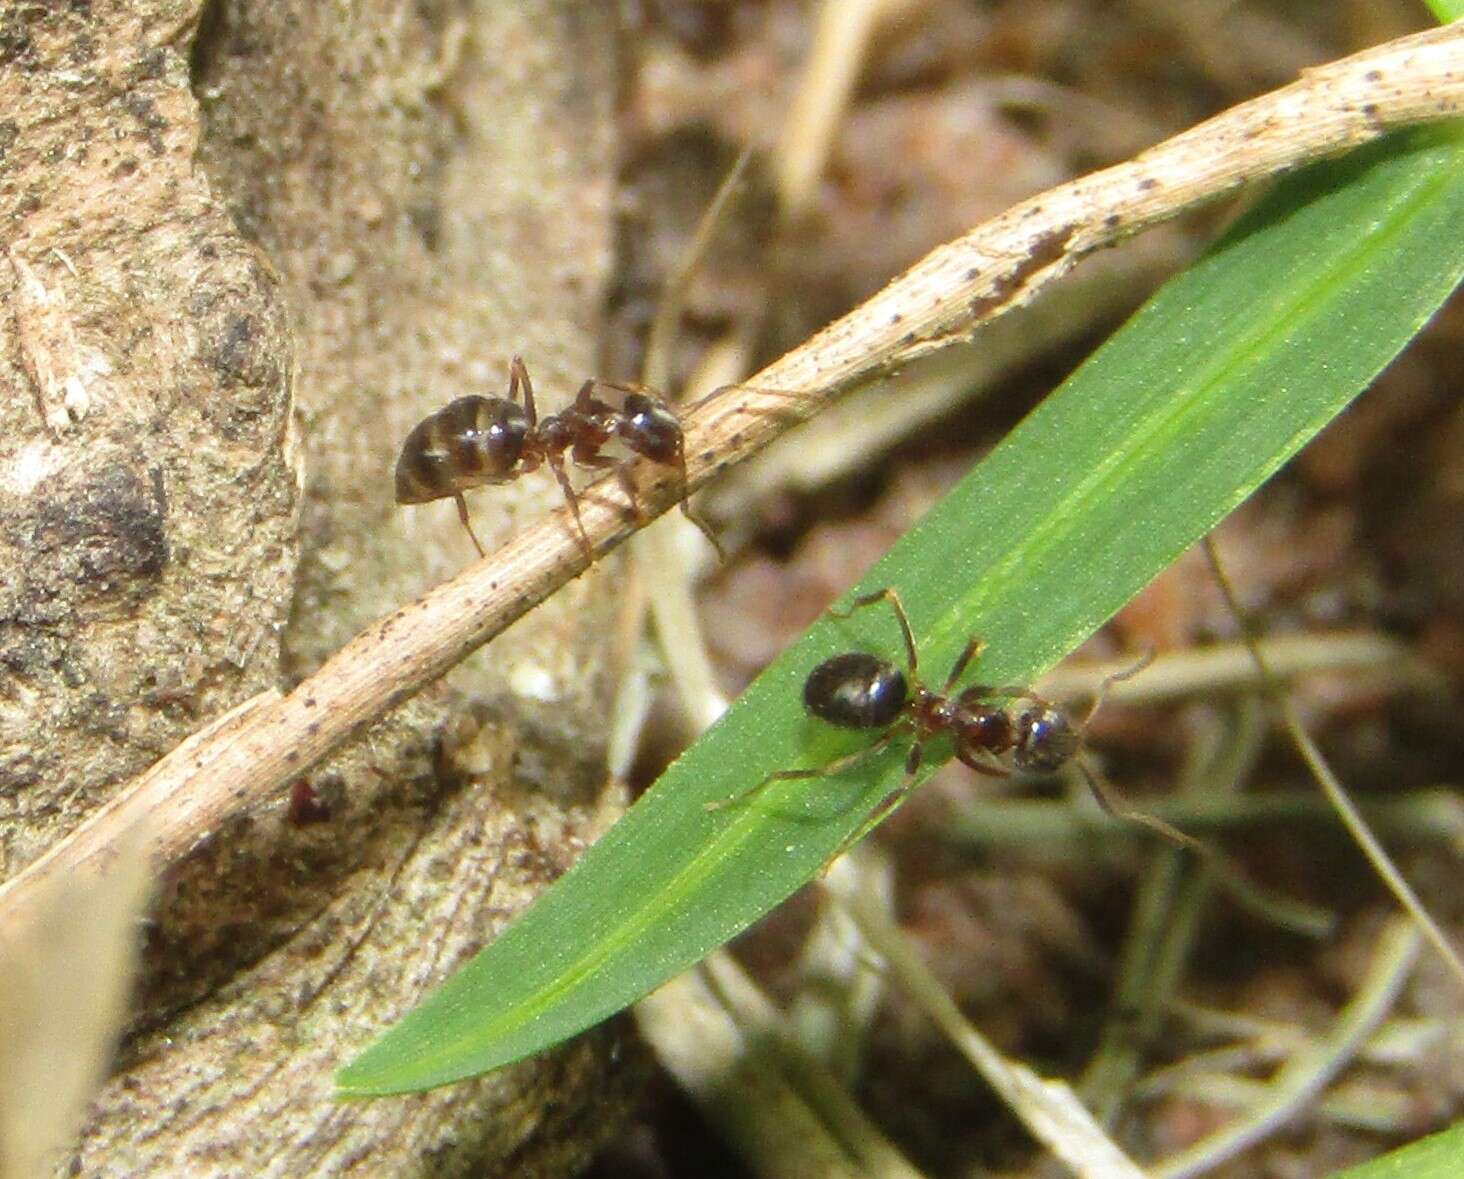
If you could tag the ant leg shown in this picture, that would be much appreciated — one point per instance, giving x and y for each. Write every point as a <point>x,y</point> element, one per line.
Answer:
<point>583,400</point>
<point>890,596</point>
<point>590,459</point>
<point>1271,906</point>
<point>792,414</point>
<point>890,802</point>
<point>973,649</point>
<point>625,387</point>
<point>518,378</point>
<point>1022,692</point>
<point>700,521</point>
<point>599,462</point>
<point>833,768</point>
<point>556,464</point>
<point>1011,692</point>
<point>627,485</point>
<point>462,507</point>
<point>718,804</point>
<point>1110,804</point>
<point>983,761</point>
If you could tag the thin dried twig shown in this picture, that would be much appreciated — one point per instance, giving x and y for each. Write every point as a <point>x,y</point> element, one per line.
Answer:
<point>730,1049</point>
<point>1347,810</point>
<point>996,267</point>
<point>1310,1071</point>
<point>842,36</point>
<point>1050,1111</point>
<point>1230,667</point>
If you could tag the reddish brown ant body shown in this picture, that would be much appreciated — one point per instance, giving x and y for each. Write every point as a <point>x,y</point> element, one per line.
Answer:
<point>857,690</point>
<point>478,440</point>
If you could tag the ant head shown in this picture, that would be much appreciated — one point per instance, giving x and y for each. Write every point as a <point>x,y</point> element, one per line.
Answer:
<point>856,691</point>
<point>650,428</point>
<point>1046,740</point>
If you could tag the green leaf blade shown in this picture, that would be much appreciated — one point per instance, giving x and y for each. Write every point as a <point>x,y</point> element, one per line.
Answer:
<point>1439,1156</point>
<point>1222,377</point>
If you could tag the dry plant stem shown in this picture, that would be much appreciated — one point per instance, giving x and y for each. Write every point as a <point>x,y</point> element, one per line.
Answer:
<point>1369,1105</point>
<point>729,1048</point>
<point>1434,813</point>
<point>1049,1110</point>
<point>1000,265</point>
<point>1332,787</point>
<point>841,38</point>
<point>657,370</point>
<point>1402,1039</point>
<point>1304,1077</point>
<point>665,568</point>
<point>633,694</point>
<point>1230,667</point>
<point>831,1100</point>
<point>1399,1042</point>
<point>1166,914</point>
<point>662,561</point>
<point>757,1108</point>
<point>661,577</point>
<point>1358,828</point>
<point>878,418</point>
<point>1003,263</point>
<point>841,980</point>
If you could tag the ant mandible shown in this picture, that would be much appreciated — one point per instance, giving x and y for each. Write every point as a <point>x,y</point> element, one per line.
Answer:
<point>857,690</point>
<point>478,440</point>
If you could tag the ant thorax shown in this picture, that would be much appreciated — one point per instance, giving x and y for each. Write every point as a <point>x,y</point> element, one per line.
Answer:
<point>980,728</point>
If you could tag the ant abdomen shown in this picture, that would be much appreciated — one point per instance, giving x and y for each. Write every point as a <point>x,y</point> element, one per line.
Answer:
<point>856,691</point>
<point>467,443</point>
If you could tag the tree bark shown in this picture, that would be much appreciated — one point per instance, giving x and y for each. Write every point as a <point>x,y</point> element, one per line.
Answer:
<point>246,248</point>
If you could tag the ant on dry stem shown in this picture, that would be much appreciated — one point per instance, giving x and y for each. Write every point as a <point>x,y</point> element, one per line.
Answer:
<point>478,440</point>
<point>857,690</point>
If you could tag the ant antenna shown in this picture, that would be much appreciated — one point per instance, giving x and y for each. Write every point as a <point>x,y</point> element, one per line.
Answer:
<point>1271,906</point>
<point>1116,677</point>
